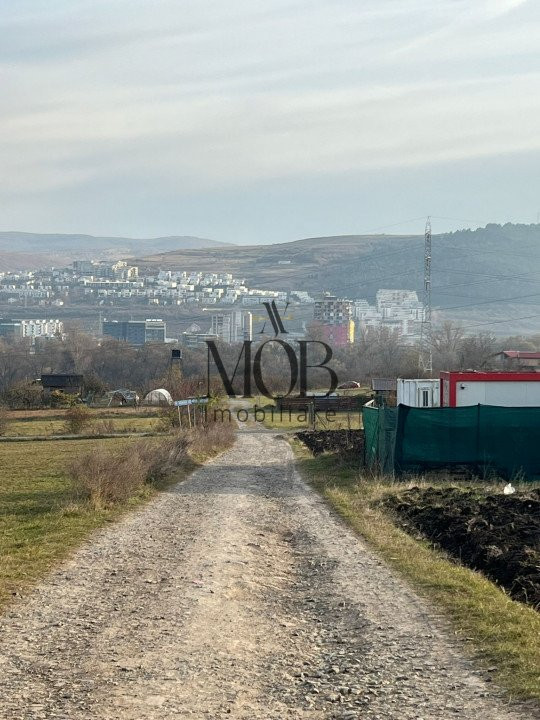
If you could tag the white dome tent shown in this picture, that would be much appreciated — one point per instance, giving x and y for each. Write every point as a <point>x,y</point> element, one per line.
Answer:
<point>158,397</point>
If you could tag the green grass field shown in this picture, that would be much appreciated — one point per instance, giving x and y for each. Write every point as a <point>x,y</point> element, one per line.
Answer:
<point>46,426</point>
<point>40,519</point>
<point>503,633</point>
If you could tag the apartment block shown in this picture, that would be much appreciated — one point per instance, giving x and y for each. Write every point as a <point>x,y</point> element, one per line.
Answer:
<point>136,332</point>
<point>232,327</point>
<point>335,316</point>
<point>33,328</point>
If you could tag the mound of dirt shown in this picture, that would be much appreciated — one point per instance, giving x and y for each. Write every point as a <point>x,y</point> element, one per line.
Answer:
<point>494,533</point>
<point>319,441</point>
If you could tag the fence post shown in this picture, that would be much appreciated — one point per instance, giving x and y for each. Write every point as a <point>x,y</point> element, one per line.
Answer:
<point>478,460</point>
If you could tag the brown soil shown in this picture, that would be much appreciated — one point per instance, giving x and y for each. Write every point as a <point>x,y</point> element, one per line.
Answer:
<point>320,441</point>
<point>491,532</point>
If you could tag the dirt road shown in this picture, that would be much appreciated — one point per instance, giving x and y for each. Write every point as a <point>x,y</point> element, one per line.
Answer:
<point>237,593</point>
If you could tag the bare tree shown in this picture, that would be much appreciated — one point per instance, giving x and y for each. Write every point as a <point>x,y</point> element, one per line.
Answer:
<point>447,342</point>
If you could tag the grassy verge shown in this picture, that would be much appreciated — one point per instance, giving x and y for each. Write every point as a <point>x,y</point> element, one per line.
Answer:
<point>501,632</point>
<point>43,516</point>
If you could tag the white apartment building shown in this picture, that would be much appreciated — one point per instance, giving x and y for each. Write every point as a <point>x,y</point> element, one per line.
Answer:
<point>38,328</point>
<point>399,304</point>
<point>232,327</point>
<point>395,309</point>
<point>42,328</point>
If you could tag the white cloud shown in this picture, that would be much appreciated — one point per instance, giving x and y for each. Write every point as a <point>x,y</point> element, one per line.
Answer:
<point>204,93</point>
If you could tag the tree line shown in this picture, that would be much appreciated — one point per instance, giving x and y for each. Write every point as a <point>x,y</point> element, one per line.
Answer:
<point>109,364</point>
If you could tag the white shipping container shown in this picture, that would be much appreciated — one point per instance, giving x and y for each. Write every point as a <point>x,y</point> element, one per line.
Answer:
<point>418,393</point>
<point>505,394</point>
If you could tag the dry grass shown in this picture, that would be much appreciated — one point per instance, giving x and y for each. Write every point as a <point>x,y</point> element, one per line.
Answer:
<point>209,441</point>
<point>4,423</point>
<point>42,518</point>
<point>76,419</point>
<point>500,632</point>
<point>107,476</point>
<point>112,476</point>
<point>98,425</point>
<point>104,412</point>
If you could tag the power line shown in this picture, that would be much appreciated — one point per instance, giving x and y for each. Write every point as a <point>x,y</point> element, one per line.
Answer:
<point>497,322</point>
<point>488,302</point>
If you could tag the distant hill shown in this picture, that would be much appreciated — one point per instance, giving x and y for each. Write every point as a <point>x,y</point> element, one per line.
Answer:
<point>33,250</point>
<point>479,276</point>
<point>470,268</point>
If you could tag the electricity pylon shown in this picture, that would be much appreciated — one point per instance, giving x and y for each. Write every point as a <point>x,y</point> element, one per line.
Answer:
<point>426,339</point>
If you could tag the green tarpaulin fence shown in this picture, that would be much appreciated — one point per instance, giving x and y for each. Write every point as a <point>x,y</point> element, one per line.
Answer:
<point>499,439</point>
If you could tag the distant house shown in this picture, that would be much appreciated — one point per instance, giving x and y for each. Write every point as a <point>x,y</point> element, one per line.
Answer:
<point>522,360</point>
<point>69,384</point>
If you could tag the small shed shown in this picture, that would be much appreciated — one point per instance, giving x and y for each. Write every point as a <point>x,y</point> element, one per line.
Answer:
<point>385,391</point>
<point>67,383</point>
<point>159,397</point>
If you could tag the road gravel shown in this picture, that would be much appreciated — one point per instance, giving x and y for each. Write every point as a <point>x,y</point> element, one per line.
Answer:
<point>236,593</point>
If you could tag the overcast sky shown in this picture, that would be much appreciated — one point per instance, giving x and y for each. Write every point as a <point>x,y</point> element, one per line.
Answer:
<point>267,120</point>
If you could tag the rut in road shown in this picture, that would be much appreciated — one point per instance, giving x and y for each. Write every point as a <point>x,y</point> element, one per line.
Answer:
<point>237,593</point>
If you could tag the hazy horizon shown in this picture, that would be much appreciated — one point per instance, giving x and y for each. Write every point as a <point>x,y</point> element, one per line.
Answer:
<point>267,122</point>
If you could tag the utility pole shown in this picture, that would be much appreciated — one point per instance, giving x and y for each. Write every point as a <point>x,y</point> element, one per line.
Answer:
<point>426,346</point>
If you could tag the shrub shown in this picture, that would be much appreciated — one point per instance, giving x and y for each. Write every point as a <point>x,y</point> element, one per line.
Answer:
<point>3,421</point>
<point>61,399</point>
<point>110,476</point>
<point>104,427</point>
<point>24,396</point>
<point>163,456</point>
<point>168,419</point>
<point>94,385</point>
<point>76,419</point>
<point>211,439</point>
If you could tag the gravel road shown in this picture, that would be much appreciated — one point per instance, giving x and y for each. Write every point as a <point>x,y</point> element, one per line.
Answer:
<point>236,593</point>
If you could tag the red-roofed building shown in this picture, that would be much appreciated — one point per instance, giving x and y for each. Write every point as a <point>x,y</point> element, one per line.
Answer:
<point>519,360</point>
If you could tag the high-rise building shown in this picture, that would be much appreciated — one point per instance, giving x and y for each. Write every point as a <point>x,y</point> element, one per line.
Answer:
<point>232,327</point>
<point>335,317</point>
<point>136,332</point>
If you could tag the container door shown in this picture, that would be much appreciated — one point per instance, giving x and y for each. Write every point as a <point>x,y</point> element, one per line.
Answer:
<point>424,397</point>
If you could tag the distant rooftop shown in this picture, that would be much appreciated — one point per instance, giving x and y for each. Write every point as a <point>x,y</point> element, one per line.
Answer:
<point>521,354</point>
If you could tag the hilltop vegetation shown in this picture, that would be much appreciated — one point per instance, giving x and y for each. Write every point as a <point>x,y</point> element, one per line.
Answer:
<point>469,266</point>
<point>486,278</point>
